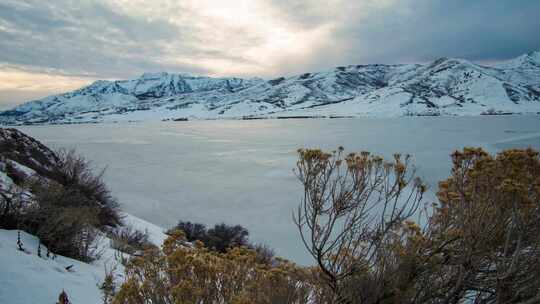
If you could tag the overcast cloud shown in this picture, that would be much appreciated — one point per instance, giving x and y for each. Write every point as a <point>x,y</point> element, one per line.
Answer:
<point>52,46</point>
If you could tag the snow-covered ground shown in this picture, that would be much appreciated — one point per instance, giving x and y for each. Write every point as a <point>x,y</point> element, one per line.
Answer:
<point>27,278</point>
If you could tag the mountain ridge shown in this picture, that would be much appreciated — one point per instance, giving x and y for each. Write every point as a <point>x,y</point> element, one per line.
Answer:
<point>445,86</point>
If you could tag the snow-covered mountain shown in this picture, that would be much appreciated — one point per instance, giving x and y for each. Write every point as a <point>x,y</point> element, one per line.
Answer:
<point>445,86</point>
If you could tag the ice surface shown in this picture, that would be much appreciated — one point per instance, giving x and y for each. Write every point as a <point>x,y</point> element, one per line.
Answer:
<point>240,172</point>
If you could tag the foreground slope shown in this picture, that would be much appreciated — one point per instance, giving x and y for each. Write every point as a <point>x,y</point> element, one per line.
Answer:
<point>26,277</point>
<point>445,86</point>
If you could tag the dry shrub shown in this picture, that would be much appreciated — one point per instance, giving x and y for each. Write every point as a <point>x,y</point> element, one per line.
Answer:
<point>179,274</point>
<point>64,220</point>
<point>265,254</point>
<point>488,219</point>
<point>192,231</point>
<point>219,238</point>
<point>129,240</point>
<point>351,208</point>
<point>67,209</point>
<point>480,243</point>
<point>73,171</point>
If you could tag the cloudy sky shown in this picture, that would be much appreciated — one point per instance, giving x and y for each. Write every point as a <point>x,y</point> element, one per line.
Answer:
<point>53,46</point>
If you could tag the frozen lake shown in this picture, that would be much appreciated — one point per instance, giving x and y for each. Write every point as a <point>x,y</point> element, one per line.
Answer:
<point>240,172</point>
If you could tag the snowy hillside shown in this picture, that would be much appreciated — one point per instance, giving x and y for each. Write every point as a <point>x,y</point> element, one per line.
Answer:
<point>28,278</point>
<point>445,86</point>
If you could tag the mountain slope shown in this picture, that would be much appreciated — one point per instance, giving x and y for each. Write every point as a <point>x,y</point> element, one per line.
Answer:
<point>445,86</point>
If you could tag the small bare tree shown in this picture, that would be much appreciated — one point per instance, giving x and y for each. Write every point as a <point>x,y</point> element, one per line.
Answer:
<point>350,207</point>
